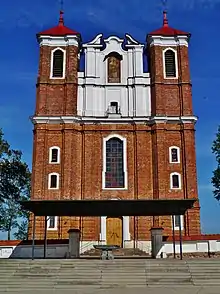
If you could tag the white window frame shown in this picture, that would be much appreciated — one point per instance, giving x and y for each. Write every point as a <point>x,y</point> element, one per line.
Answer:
<point>49,181</point>
<point>124,140</point>
<point>51,64</point>
<point>55,222</point>
<point>176,64</point>
<point>176,228</point>
<point>58,154</point>
<point>171,181</point>
<point>170,154</point>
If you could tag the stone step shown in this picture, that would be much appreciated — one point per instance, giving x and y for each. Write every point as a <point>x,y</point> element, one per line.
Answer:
<point>118,252</point>
<point>80,274</point>
<point>205,271</point>
<point>205,283</point>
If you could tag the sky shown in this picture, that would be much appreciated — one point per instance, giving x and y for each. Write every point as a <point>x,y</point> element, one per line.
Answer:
<point>19,51</point>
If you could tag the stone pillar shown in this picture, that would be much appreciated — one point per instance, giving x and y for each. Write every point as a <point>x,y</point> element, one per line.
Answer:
<point>74,243</point>
<point>156,240</point>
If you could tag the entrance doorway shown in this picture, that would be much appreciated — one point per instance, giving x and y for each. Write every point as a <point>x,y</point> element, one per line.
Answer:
<point>114,231</point>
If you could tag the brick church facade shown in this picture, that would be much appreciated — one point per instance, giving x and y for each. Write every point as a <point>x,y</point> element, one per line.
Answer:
<point>113,131</point>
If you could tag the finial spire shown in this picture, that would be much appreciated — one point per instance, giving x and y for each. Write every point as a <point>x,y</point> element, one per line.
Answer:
<point>61,20</point>
<point>165,19</point>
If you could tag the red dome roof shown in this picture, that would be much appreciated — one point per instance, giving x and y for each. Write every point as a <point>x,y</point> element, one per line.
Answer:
<point>59,30</point>
<point>165,30</point>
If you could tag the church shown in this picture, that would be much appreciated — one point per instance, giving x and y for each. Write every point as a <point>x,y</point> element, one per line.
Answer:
<point>114,131</point>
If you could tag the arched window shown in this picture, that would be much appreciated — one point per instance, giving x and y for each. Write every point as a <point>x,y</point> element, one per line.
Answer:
<point>54,154</point>
<point>114,67</point>
<point>174,154</point>
<point>58,63</point>
<point>170,64</point>
<point>175,181</point>
<point>114,164</point>
<point>53,181</point>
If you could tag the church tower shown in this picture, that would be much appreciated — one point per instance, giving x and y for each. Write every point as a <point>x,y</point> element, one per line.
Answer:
<point>113,131</point>
<point>173,131</point>
<point>56,97</point>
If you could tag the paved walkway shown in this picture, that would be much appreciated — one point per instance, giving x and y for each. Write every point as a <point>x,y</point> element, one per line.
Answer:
<point>136,290</point>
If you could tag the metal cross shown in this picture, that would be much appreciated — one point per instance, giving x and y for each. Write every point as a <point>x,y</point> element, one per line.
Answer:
<point>164,2</point>
<point>61,4</point>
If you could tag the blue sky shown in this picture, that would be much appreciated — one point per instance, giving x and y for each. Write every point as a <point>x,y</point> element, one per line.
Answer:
<point>19,61</point>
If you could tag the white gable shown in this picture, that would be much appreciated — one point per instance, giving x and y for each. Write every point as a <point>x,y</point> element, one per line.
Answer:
<point>132,94</point>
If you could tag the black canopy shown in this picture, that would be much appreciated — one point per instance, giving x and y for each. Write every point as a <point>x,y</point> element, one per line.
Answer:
<point>108,207</point>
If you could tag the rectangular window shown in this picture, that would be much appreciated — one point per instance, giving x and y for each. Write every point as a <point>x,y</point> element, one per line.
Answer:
<point>174,155</point>
<point>175,181</point>
<point>54,155</point>
<point>113,107</point>
<point>52,223</point>
<point>53,181</point>
<point>178,222</point>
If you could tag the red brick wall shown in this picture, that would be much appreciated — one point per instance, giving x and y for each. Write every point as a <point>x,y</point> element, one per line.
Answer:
<point>57,96</point>
<point>81,170</point>
<point>170,96</point>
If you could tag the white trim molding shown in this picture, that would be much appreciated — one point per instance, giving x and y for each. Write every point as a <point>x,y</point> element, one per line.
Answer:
<point>179,180</point>
<point>168,41</point>
<point>176,64</point>
<point>58,154</point>
<point>51,63</point>
<point>125,229</point>
<point>170,154</point>
<point>55,223</point>
<point>176,227</point>
<point>95,43</point>
<point>69,40</point>
<point>49,181</point>
<point>124,141</point>
<point>113,120</point>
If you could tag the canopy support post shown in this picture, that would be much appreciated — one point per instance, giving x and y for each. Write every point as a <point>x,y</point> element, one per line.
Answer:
<point>181,243</point>
<point>45,237</point>
<point>174,241</point>
<point>33,236</point>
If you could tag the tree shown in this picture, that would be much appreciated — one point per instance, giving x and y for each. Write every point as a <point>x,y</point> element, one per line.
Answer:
<point>216,172</point>
<point>14,186</point>
<point>4,146</point>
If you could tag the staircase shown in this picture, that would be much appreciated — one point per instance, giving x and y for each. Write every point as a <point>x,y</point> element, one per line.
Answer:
<point>25,276</point>
<point>119,253</point>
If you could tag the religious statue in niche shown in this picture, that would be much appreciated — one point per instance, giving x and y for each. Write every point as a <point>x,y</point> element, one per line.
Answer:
<point>114,69</point>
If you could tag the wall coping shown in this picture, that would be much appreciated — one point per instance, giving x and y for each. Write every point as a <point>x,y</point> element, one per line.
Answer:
<point>210,237</point>
<point>29,242</point>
